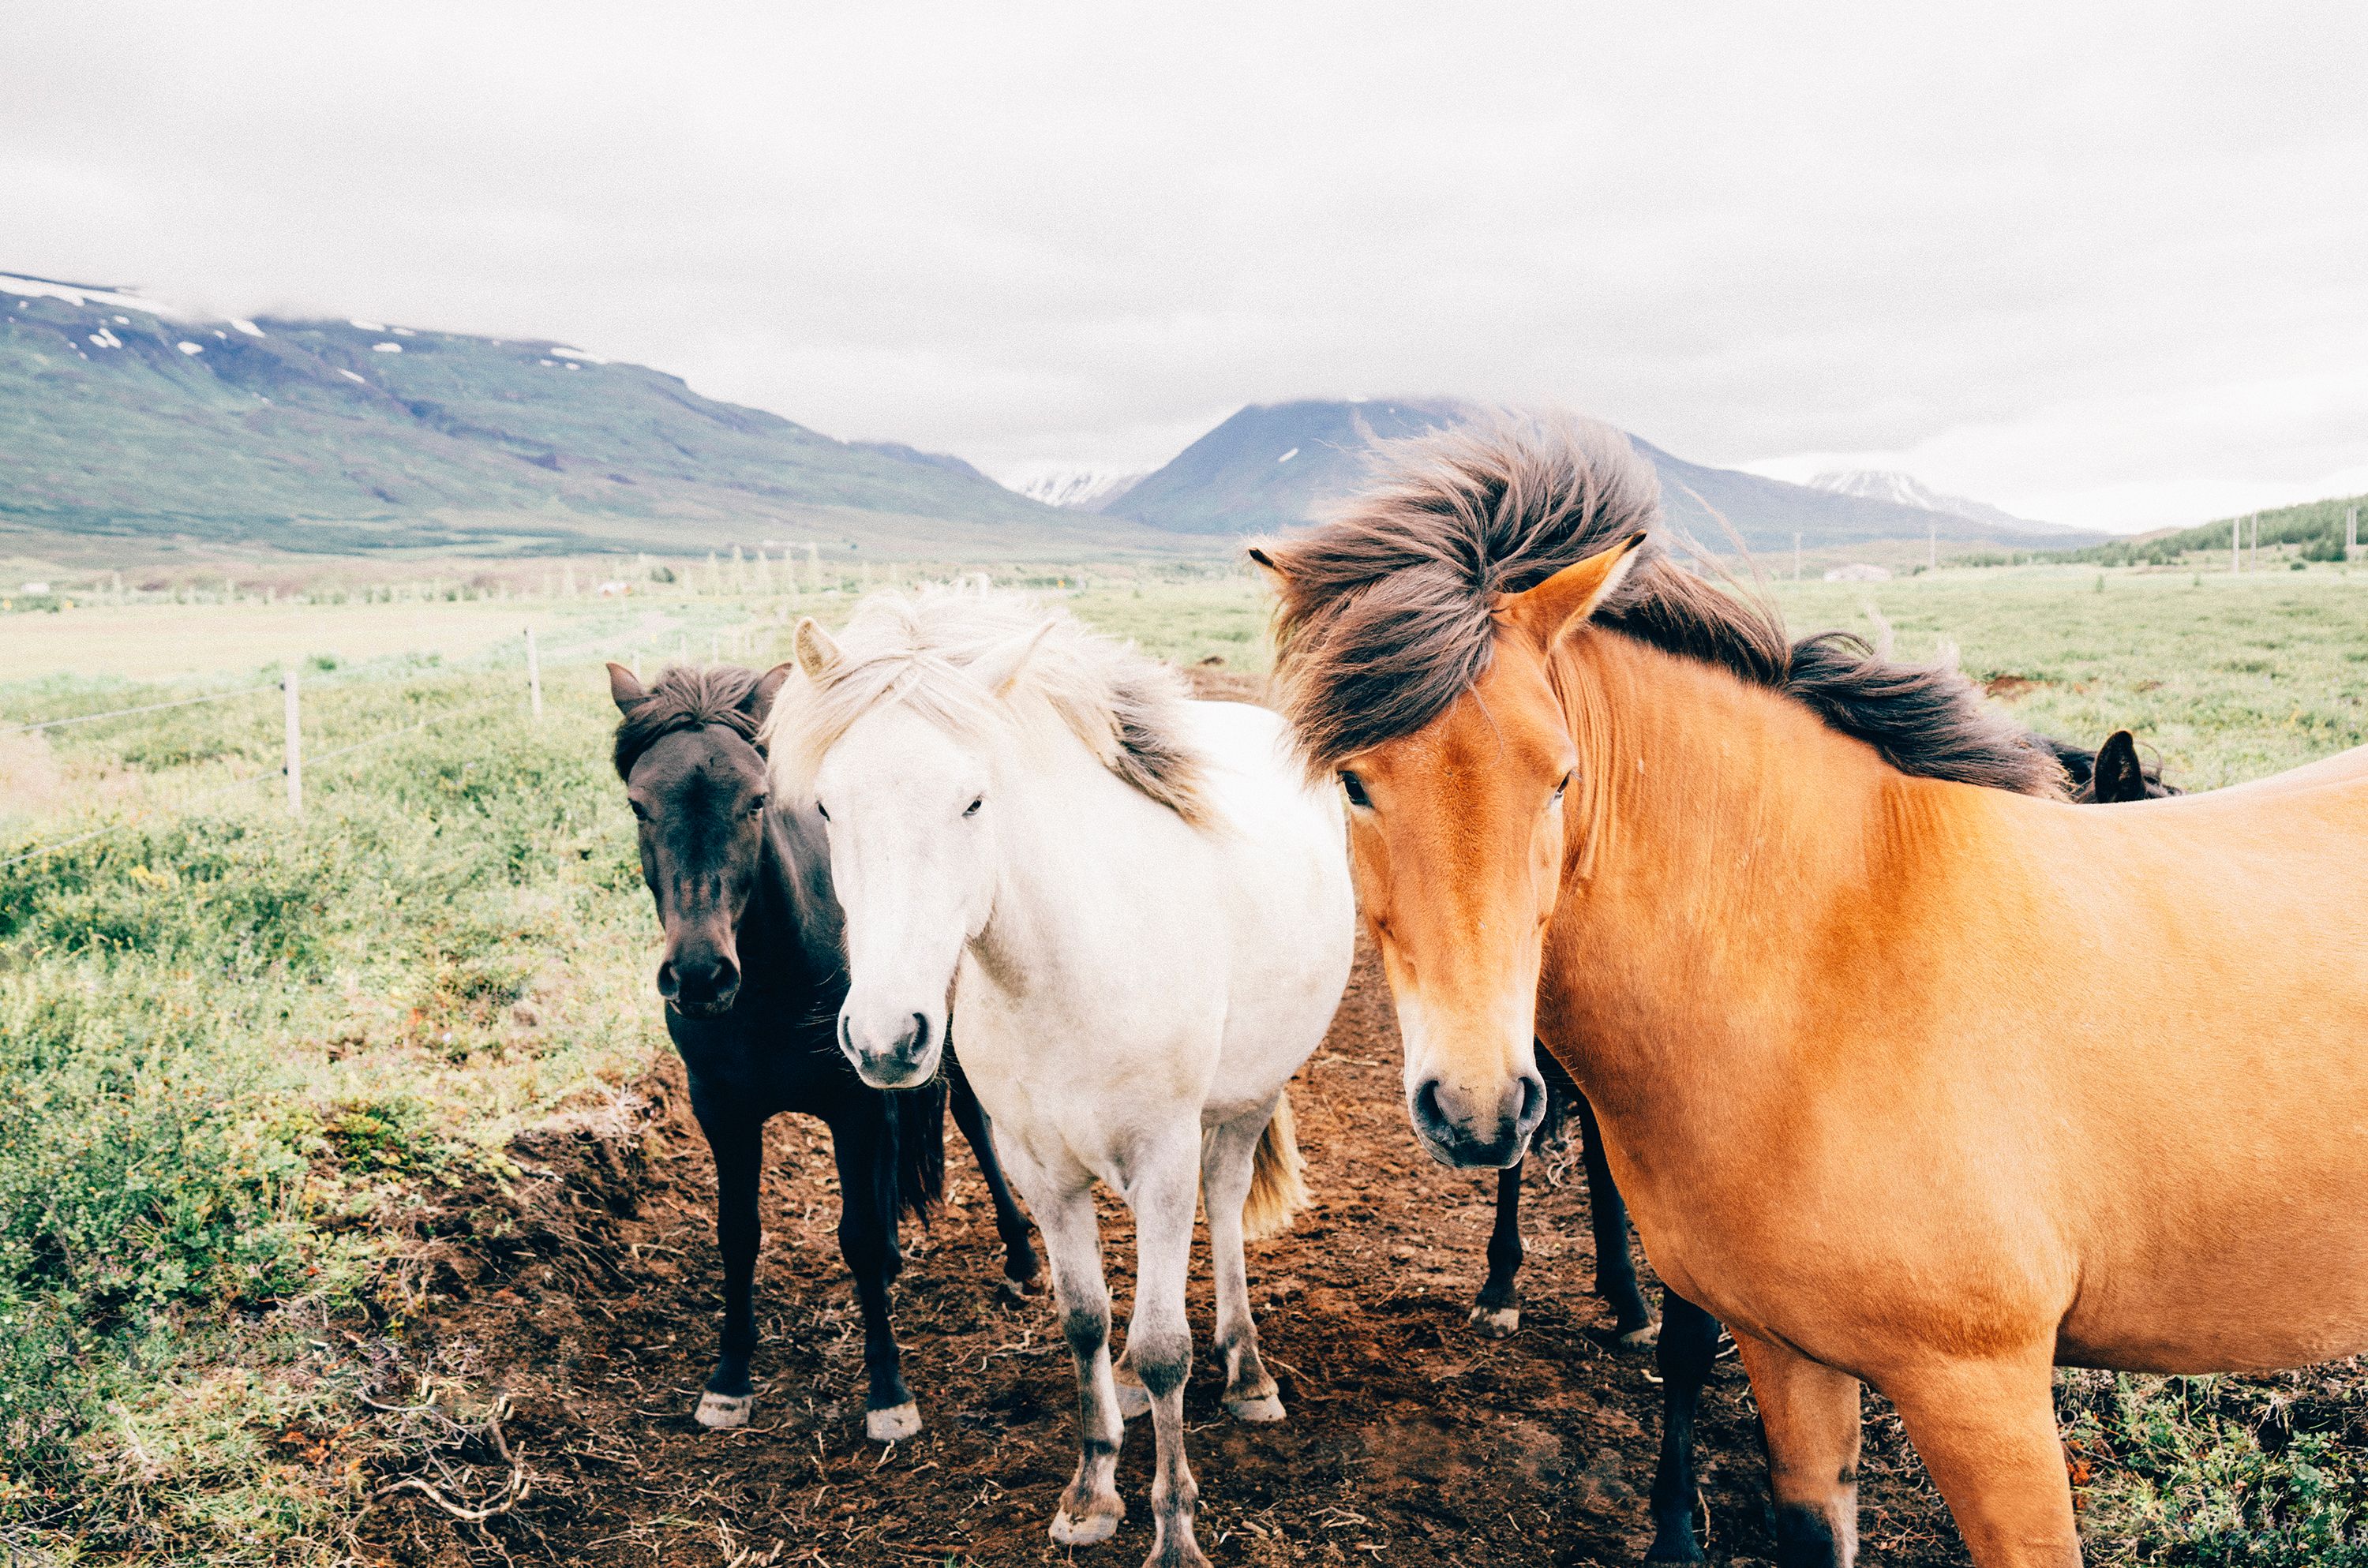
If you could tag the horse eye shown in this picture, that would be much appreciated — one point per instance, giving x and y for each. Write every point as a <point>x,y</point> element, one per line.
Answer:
<point>971,809</point>
<point>1561,785</point>
<point>756,807</point>
<point>640,813</point>
<point>821,810</point>
<point>1355,789</point>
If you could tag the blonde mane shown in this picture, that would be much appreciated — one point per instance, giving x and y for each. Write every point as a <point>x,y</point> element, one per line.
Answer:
<point>916,649</point>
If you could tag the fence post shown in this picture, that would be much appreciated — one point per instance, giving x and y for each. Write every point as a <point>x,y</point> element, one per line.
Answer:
<point>533,677</point>
<point>293,763</point>
<point>2236,544</point>
<point>2351,533</point>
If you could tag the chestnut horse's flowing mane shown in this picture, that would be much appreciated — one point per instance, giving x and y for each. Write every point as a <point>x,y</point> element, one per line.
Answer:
<point>1386,612</point>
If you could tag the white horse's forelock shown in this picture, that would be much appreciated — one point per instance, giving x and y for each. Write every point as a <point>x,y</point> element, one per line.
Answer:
<point>917,650</point>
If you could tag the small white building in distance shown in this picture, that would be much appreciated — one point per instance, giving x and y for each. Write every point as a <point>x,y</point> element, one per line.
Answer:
<point>1858,572</point>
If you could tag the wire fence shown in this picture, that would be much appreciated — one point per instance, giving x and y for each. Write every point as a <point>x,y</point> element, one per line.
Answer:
<point>295,759</point>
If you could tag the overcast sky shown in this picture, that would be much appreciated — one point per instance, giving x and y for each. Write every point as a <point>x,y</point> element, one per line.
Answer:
<point>2099,264</point>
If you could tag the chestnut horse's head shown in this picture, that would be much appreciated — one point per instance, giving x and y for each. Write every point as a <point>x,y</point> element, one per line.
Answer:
<point>1416,638</point>
<point>1457,834</point>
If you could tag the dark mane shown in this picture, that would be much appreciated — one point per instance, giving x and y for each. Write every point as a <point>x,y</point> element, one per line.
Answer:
<point>1386,609</point>
<point>687,698</point>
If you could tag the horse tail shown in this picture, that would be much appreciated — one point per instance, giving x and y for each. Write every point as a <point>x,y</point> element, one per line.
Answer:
<point>1277,1191</point>
<point>918,1117</point>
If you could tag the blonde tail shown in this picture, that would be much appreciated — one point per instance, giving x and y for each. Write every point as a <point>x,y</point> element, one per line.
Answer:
<point>1277,1190</point>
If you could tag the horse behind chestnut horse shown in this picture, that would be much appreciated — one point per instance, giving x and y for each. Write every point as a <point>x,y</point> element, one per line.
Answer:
<point>1897,1054</point>
<point>752,978</point>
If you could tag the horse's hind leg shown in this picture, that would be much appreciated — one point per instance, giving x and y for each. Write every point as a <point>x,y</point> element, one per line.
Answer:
<point>738,1144</point>
<point>867,1239</point>
<point>1497,1312</point>
<point>1615,1271</point>
<point>1022,1275</point>
<point>1810,1414</point>
<point>1688,1350</point>
<point>1159,1341</point>
<point>1227,1157</point>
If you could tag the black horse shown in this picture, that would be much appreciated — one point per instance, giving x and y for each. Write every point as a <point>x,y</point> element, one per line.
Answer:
<point>1687,1338</point>
<point>753,978</point>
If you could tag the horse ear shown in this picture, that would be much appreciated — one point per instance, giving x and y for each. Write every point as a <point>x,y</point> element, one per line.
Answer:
<point>1000,665</point>
<point>1571,595</point>
<point>817,654</point>
<point>1264,561</point>
<point>2118,777</point>
<point>759,700</point>
<point>626,689</point>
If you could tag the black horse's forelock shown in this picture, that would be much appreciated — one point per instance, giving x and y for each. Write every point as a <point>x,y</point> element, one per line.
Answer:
<point>688,697</point>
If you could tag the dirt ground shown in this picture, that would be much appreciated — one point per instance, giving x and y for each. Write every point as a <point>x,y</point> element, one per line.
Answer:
<point>586,1301</point>
<point>593,1307</point>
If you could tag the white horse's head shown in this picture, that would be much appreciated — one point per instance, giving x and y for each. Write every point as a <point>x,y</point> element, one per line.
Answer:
<point>908,733</point>
<point>912,854</point>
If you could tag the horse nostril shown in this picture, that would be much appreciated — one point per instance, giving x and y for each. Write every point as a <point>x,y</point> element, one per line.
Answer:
<point>670,983</point>
<point>1427,1113</point>
<point>918,1041</point>
<point>1533,1102</point>
<point>727,977</point>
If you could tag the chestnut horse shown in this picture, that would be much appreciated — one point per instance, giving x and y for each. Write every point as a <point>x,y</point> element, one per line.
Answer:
<point>1897,1055</point>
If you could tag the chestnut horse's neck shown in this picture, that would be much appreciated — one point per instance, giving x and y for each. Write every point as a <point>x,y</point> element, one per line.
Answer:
<point>1728,853</point>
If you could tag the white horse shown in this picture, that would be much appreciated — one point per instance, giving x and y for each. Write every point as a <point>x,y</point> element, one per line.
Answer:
<point>1141,918</point>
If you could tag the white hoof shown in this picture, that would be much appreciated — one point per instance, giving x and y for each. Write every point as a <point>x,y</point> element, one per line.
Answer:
<point>1091,1530</point>
<point>1264,1410</point>
<point>722,1412</point>
<point>1496,1323</point>
<point>1019,1292</point>
<point>1133,1400</point>
<point>892,1425</point>
<point>1640,1338</point>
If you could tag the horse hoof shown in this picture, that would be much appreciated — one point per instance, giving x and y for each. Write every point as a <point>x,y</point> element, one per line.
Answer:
<point>722,1412</point>
<point>1091,1530</point>
<point>892,1425</point>
<point>1263,1410</point>
<point>1642,1338</point>
<point>1496,1323</point>
<point>1133,1400</point>
<point>1019,1292</point>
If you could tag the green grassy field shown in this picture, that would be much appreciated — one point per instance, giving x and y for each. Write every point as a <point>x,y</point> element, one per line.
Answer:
<point>245,1054</point>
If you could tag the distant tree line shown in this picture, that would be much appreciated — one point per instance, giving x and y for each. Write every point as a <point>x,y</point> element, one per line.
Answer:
<point>2313,531</point>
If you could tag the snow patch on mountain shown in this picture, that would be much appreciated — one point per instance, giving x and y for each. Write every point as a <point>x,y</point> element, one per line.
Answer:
<point>1072,489</point>
<point>1906,490</point>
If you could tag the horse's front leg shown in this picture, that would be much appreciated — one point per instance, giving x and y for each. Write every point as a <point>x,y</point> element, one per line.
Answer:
<point>1809,1413</point>
<point>1226,1164</point>
<point>1688,1350</point>
<point>1022,1275</point>
<point>1615,1270</point>
<point>738,1145</point>
<point>1159,1340</point>
<point>1090,1509</point>
<point>1497,1312</point>
<point>867,1239</point>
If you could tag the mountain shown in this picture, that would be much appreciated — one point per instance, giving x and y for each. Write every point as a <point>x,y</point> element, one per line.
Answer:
<point>1076,490</point>
<point>1882,484</point>
<point>1275,466</point>
<point>129,424</point>
<point>1272,464</point>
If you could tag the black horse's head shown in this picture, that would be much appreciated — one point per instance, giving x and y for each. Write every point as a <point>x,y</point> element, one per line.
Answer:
<point>686,750</point>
